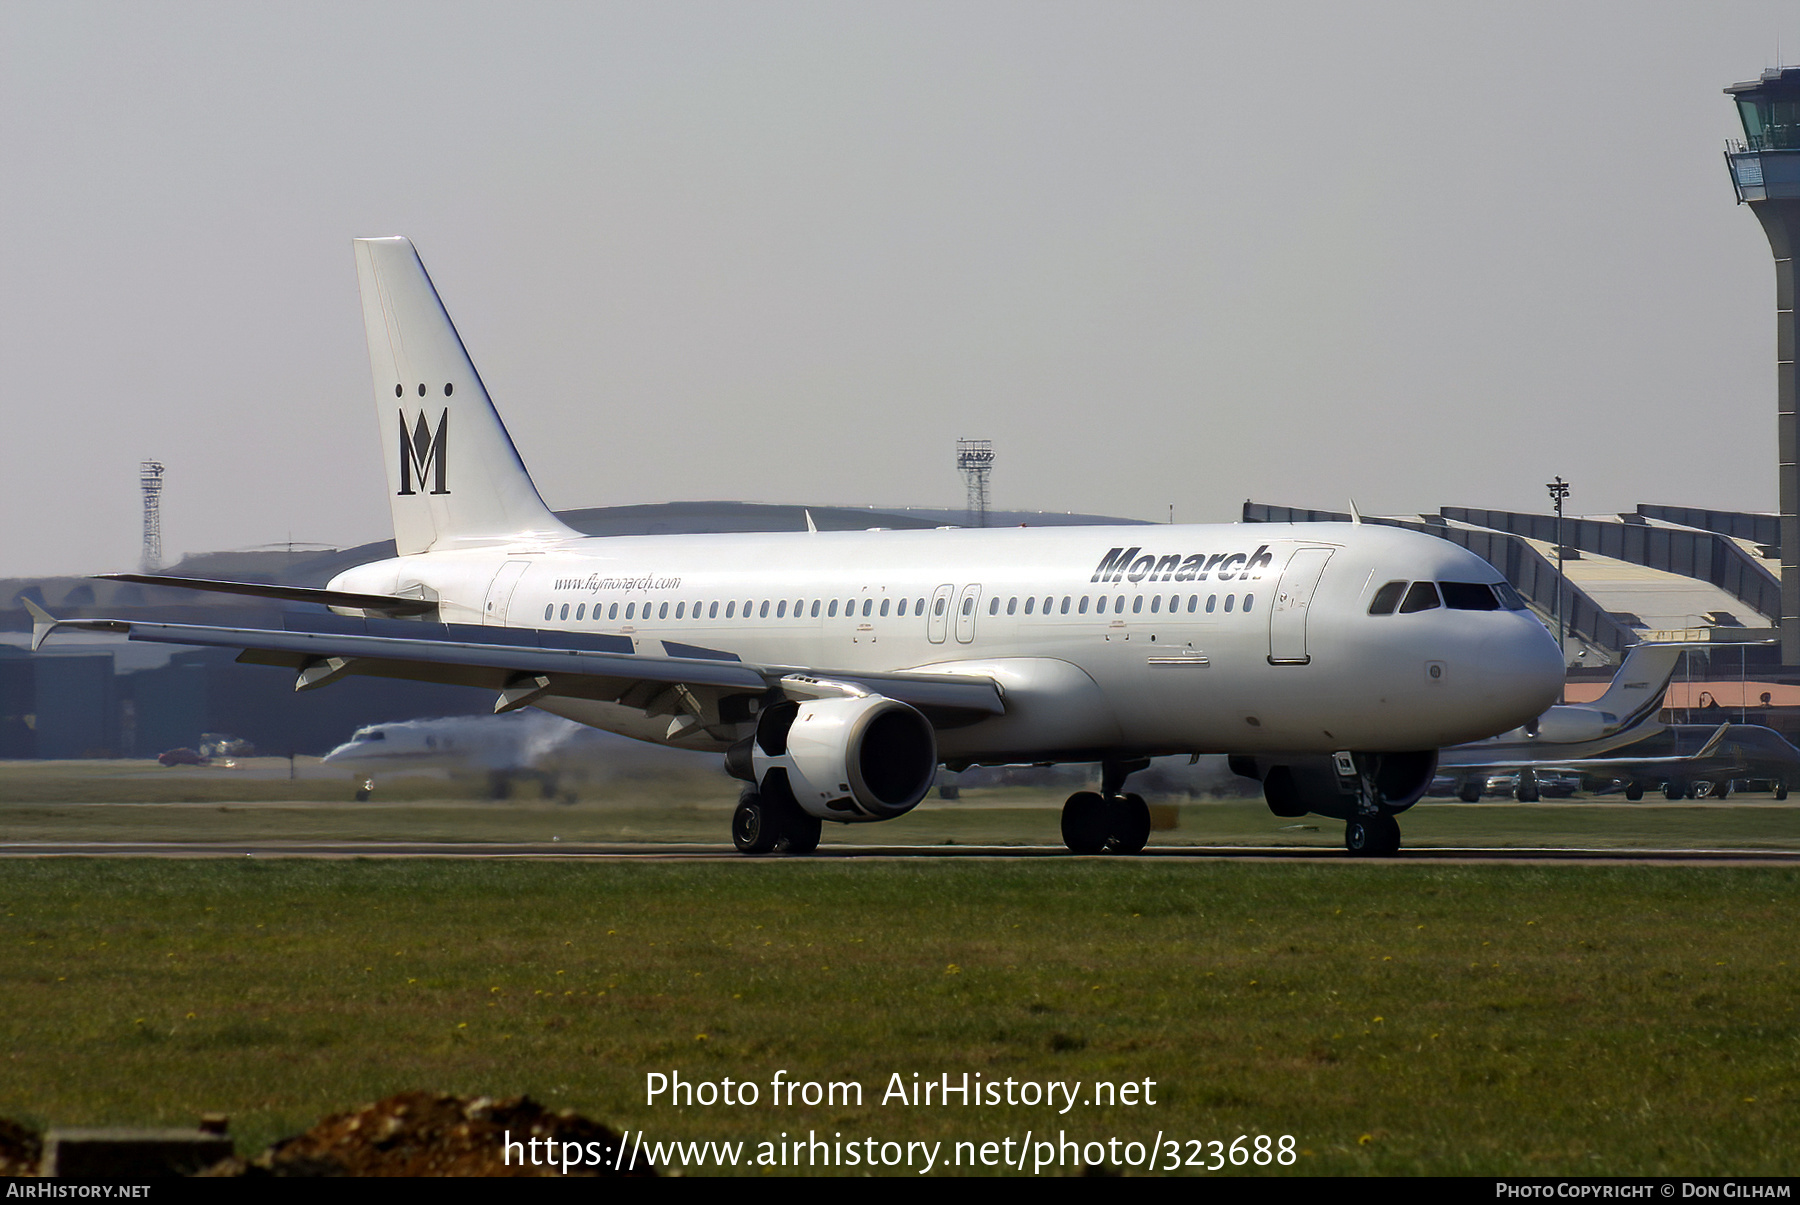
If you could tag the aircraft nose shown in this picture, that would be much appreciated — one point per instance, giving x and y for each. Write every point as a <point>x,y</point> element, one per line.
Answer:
<point>1520,671</point>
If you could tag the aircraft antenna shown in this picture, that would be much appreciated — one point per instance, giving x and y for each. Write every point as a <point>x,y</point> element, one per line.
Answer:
<point>150,480</point>
<point>975,459</point>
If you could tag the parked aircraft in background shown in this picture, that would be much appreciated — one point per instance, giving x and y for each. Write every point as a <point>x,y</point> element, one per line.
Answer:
<point>527,746</point>
<point>1619,741</point>
<point>837,670</point>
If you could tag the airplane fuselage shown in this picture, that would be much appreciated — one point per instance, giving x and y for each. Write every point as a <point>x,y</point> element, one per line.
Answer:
<point>1107,642</point>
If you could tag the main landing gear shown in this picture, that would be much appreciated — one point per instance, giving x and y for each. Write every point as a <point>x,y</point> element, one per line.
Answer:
<point>769,820</point>
<point>1108,821</point>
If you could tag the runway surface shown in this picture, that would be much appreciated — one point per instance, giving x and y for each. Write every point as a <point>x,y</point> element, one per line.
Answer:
<point>579,851</point>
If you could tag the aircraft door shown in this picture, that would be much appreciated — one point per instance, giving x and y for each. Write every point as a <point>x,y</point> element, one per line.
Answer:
<point>1287,618</point>
<point>965,614</point>
<point>938,623</point>
<point>499,597</point>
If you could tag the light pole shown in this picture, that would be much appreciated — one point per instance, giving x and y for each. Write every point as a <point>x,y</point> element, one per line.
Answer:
<point>1559,489</point>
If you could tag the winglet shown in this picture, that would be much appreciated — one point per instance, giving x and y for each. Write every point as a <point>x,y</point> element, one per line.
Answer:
<point>1355,515</point>
<point>810,525</point>
<point>42,623</point>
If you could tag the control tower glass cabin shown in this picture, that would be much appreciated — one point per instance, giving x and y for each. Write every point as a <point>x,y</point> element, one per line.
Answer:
<point>1765,171</point>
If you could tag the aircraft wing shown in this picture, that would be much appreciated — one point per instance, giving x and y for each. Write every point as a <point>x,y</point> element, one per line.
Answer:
<point>1584,765</point>
<point>389,604</point>
<point>521,665</point>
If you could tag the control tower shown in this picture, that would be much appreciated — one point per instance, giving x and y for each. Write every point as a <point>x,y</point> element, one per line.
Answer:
<point>1765,171</point>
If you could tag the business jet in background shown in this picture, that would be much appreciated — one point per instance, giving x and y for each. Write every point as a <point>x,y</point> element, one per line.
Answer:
<point>1620,740</point>
<point>837,670</point>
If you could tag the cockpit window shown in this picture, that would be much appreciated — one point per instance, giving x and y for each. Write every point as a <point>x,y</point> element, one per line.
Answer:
<point>1387,598</point>
<point>1509,597</point>
<point>1422,597</point>
<point>1469,596</point>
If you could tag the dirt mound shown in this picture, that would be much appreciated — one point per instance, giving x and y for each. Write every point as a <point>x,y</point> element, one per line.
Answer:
<point>20,1149</point>
<point>429,1134</point>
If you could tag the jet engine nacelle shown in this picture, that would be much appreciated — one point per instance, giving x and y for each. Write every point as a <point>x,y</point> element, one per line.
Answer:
<point>1296,786</point>
<point>1564,724</point>
<point>848,759</point>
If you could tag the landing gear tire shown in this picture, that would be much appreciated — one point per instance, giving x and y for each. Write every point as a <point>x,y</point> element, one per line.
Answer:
<point>1723,790</point>
<point>1084,823</point>
<point>802,833</point>
<point>1128,824</point>
<point>1781,790</point>
<point>1469,792</point>
<point>1634,791</point>
<point>767,821</point>
<point>753,827</point>
<point>1674,790</point>
<point>1372,836</point>
<point>1527,792</point>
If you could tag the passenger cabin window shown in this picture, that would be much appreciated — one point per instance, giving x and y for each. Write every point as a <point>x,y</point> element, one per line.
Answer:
<point>1469,596</point>
<point>994,605</point>
<point>1423,596</point>
<point>1387,598</point>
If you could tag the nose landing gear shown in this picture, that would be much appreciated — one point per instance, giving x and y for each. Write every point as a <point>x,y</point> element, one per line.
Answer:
<point>1108,821</point>
<point>1372,832</point>
<point>1372,836</point>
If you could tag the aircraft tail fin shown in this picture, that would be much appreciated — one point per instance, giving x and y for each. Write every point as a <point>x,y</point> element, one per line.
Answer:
<point>454,477</point>
<point>1638,689</point>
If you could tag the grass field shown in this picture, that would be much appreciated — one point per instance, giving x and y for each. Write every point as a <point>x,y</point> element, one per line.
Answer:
<point>139,801</point>
<point>1394,1019</point>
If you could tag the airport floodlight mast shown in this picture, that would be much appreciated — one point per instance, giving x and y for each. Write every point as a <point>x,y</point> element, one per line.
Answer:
<point>1559,490</point>
<point>1765,172</point>
<point>975,459</point>
<point>150,480</point>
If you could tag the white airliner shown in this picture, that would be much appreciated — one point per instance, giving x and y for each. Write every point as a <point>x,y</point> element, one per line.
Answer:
<point>837,670</point>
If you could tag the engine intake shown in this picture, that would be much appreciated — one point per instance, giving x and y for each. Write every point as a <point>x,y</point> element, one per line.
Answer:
<point>847,759</point>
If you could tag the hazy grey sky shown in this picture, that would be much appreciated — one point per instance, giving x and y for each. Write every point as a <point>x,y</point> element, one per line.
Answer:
<point>1415,253</point>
